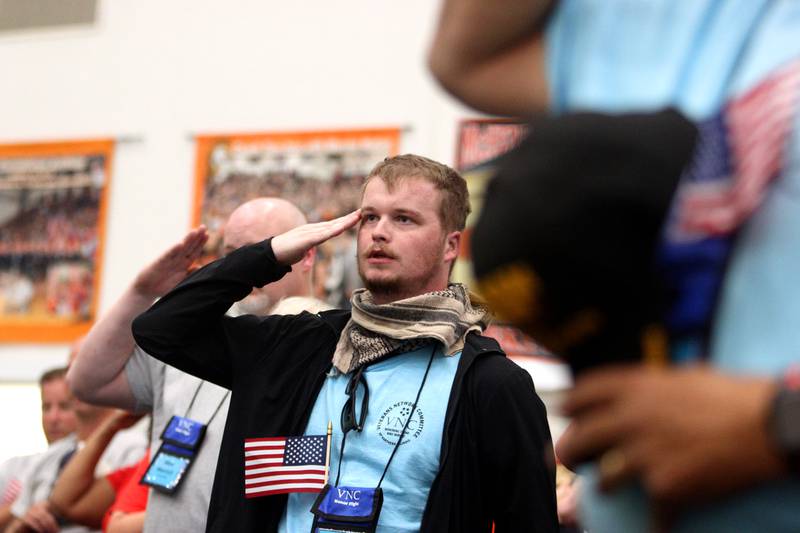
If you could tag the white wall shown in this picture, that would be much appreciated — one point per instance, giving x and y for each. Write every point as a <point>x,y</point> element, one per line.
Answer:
<point>160,71</point>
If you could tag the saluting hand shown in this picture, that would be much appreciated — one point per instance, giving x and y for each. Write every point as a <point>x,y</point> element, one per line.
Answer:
<point>172,266</point>
<point>290,247</point>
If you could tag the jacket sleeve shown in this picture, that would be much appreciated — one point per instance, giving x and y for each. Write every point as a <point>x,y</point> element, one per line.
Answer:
<point>188,328</point>
<point>517,455</point>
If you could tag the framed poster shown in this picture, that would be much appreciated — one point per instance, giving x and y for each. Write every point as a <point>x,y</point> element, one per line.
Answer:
<point>53,199</point>
<point>319,171</point>
<point>480,143</point>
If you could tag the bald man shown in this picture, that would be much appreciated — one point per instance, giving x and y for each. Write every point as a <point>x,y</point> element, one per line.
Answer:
<point>111,370</point>
<point>252,222</point>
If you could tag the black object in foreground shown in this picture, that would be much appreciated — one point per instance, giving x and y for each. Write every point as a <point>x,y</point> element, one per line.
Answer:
<point>565,244</point>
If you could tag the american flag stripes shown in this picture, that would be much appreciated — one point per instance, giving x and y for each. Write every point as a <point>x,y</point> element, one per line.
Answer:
<point>739,152</point>
<point>281,465</point>
<point>13,488</point>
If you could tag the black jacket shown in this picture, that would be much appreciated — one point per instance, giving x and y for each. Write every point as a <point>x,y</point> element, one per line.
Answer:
<point>496,462</point>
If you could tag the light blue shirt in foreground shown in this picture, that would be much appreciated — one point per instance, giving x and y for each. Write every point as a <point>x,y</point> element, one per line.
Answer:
<point>634,55</point>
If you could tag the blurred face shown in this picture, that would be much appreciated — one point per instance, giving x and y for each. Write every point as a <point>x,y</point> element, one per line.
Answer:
<point>58,415</point>
<point>403,250</point>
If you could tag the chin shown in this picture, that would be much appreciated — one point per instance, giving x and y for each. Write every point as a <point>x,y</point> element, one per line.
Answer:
<point>381,284</point>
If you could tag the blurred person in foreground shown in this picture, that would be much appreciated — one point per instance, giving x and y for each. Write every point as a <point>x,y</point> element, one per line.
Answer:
<point>718,447</point>
<point>32,510</point>
<point>58,421</point>
<point>443,429</point>
<point>112,370</point>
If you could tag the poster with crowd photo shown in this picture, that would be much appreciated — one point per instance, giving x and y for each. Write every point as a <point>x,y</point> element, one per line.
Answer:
<point>480,143</point>
<point>319,171</point>
<point>52,219</point>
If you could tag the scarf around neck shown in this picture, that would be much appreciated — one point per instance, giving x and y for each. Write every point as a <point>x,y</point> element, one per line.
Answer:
<point>375,331</point>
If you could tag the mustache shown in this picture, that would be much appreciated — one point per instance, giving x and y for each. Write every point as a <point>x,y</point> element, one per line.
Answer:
<point>378,251</point>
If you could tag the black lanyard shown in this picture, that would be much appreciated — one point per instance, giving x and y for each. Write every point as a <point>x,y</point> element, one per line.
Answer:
<point>194,397</point>
<point>348,420</point>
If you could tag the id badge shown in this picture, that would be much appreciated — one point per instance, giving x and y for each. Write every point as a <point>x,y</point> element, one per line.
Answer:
<point>184,433</point>
<point>353,509</point>
<point>181,441</point>
<point>167,469</point>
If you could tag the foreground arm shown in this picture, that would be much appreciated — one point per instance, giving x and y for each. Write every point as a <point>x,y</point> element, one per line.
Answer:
<point>77,495</point>
<point>490,55</point>
<point>689,435</point>
<point>97,374</point>
<point>188,328</point>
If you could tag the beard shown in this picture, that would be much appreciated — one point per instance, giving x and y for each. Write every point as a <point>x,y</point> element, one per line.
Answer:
<point>394,286</point>
<point>385,286</point>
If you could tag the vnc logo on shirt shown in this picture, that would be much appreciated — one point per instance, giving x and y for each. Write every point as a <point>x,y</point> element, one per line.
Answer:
<point>391,423</point>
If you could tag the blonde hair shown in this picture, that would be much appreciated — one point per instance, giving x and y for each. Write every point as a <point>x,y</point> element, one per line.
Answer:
<point>454,207</point>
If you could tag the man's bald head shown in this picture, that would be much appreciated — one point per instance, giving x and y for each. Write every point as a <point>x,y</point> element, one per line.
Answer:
<point>255,221</point>
<point>260,219</point>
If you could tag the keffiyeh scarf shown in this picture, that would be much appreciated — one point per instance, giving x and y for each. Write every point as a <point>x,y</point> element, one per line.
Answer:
<point>375,331</point>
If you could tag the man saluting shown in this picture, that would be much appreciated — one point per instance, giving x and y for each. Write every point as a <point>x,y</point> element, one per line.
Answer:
<point>433,426</point>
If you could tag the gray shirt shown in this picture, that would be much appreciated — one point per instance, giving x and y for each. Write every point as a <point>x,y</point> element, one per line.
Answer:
<point>166,391</point>
<point>126,448</point>
<point>11,473</point>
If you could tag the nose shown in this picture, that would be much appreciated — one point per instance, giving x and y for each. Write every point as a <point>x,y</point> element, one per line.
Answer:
<point>380,231</point>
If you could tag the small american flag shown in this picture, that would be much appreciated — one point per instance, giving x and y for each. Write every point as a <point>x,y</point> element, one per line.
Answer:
<point>13,488</point>
<point>281,465</point>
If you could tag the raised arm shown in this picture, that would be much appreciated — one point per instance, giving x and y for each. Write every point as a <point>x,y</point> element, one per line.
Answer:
<point>188,328</point>
<point>97,374</point>
<point>490,55</point>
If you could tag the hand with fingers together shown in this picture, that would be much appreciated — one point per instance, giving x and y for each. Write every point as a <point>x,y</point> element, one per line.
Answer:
<point>689,435</point>
<point>171,266</point>
<point>290,247</point>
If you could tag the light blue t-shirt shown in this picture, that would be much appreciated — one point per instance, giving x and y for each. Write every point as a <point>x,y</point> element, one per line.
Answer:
<point>634,55</point>
<point>393,386</point>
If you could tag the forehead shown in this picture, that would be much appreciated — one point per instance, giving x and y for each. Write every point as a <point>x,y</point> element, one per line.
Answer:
<point>412,193</point>
<point>55,389</point>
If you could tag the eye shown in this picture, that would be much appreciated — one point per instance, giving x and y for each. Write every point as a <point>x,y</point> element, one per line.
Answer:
<point>403,219</point>
<point>369,217</point>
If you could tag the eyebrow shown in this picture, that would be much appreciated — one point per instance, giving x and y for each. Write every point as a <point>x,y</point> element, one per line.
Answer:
<point>394,210</point>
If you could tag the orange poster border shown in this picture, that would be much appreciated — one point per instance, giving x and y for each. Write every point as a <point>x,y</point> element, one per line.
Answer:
<point>57,331</point>
<point>204,143</point>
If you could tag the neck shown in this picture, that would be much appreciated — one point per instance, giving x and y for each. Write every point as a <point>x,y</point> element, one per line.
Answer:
<point>381,297</point>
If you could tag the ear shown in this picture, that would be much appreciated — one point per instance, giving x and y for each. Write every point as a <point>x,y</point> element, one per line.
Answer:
<point>452,245</point>
<point>307,262</point>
